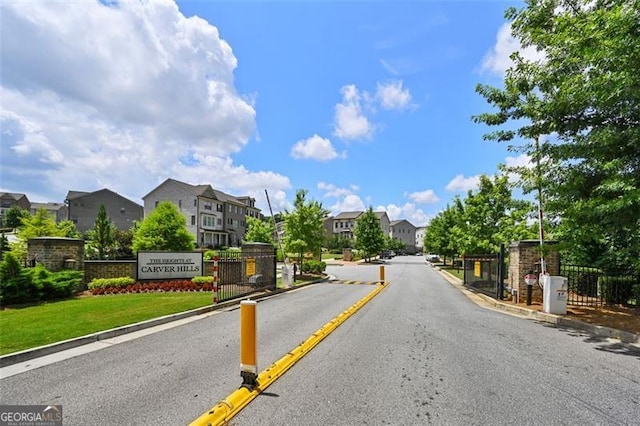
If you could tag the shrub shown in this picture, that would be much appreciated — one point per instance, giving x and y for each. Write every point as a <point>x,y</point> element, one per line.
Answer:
<point>110,282</point>
<point>61,284</point>
<point>202,279</point>
<point>9,267</point>
<point>18,289</point>
<point>586,283</point>
<point>313,266</point>
<point>616,290</point>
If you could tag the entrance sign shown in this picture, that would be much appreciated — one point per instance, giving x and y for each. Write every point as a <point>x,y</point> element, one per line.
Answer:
<point>162,265</point>
<point>477,268</point>
<point>530,279</point>
<point>250,266</point>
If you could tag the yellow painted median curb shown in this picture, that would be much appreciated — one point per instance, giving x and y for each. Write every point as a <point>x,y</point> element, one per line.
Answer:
<point>226,409</point>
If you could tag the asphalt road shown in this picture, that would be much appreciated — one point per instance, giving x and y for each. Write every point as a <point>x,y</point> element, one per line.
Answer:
<point>419,353</point>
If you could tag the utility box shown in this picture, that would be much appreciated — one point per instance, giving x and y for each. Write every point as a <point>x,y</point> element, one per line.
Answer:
<point>287,275</point>
<point>555,295</point>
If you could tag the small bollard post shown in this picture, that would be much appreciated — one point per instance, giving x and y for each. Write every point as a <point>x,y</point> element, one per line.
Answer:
<point>248,344</point>
<point>381,273</point>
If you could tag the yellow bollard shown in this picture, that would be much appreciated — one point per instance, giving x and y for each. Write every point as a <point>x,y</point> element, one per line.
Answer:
<point>248,343</point>
<point>381,273</point>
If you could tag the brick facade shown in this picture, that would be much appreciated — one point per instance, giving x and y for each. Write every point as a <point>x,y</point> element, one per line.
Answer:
<point>524,256</point>
<point>56,253</point>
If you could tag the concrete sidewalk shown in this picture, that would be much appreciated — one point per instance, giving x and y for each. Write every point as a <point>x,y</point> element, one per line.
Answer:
<point>558,320</point>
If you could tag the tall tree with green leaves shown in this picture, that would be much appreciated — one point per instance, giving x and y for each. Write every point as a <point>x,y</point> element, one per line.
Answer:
<point>260,231</point>
<point>577,113</point>
<point>123,242</point>
<point>438,237</point>
<point>41,224</point>
<point>12,217</point>
<point>165,228</point>
<point>368,234</point>
<point>490,216</point>
<point>102,235</point>
<point>304,226</point>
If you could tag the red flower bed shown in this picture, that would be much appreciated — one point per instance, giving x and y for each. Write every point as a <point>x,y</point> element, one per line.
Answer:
<point>155,286</point>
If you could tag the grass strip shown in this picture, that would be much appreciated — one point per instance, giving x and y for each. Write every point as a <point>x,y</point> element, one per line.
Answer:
<point>32,326</point>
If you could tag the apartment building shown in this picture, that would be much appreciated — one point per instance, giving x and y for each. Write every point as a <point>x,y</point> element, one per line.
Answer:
<point>12,199</point>
<point>344,223</point>
<point>83,208</point>
<point>404,231</point>
<point>214,218</point>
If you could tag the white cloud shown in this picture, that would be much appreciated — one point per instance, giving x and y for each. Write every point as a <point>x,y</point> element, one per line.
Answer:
<point>331,190</point>
<point>461,183</point>
<point>407,211</point>
<point>350,122</point>
<point>424,197</point>
<point>498,60</point>
<point>315,148</point>
<point>392,96</point>
<point>349,203</point>
<point>519,161</point>
<point>127,95</point>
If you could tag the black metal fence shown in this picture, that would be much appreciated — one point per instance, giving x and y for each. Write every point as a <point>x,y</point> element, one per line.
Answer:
<point>590,286</point>
<point>486,273</point>
<point>242,273</point>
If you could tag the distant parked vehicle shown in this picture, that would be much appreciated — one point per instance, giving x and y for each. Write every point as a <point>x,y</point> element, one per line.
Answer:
<point>387,254</point>
<point>433,257</point>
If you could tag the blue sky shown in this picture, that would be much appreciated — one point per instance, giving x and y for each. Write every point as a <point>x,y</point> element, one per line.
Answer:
<point>361,103</point>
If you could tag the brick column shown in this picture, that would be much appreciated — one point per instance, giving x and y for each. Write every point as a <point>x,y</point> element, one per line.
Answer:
<point>524,256</point>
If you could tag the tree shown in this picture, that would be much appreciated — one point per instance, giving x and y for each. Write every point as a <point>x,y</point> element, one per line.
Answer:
<point>438,233</point>
<point>164,229</point>
<point>13,217</point>
<point>304,226</point>
<point>489,216</point>
<point>259,231</point>
<point>337,243</point>
<point>41,224</point>
<point>394,244</point>
<point>584,96</point>
<point>368,234</point>
<point>123,241</point>
<point>102,235</point>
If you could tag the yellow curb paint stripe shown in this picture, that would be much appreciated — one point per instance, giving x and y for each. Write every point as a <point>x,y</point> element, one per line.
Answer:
<point>226,409</point>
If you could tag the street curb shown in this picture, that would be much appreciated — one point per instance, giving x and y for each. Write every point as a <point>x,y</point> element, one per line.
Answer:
<point>597,330</point>
<point>29,354</point>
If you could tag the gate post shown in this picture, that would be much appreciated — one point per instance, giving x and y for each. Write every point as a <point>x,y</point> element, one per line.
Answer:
<point>500,286</point>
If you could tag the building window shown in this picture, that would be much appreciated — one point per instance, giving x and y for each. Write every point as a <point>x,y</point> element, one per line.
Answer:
<point>193,220</point>
<point>219,221</point>
<point>156,205</point>
<point>180,203</point>
<point>208,206</point>
<point>195,202</point>
<point>122,210</point>
<point>219,208</point>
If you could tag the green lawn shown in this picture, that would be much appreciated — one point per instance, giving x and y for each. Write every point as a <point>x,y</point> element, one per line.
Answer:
<point>32,326</point>
<point>457,272</point>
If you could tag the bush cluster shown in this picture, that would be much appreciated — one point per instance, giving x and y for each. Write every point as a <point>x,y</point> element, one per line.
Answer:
<point>205,279</point>
<point>149,287</point>
<point>27,285</point>
<point>110,282</point>
<point>313,267</point>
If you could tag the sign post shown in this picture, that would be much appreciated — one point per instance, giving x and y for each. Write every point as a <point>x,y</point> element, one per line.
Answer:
<point>530,278</point>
